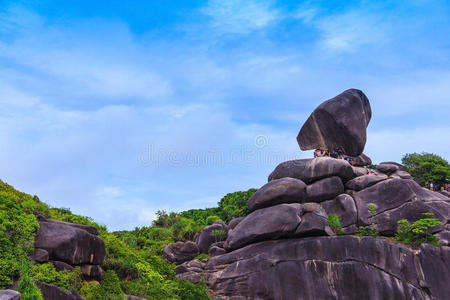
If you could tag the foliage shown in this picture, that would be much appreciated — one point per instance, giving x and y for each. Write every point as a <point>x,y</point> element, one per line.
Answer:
<point>427,167</point>
<point>92,291</point>
<point>366,231</point>
<point>418,231</point>
<point>372,209</point>
<point>212,219</point>
<point>64,214</point>
<point>28,288</point>
<point>189,291</point>
<point>371,167</point>
<point>111,286</point>
<point>47,273</point>
<point>335,223</point>
<point>234,205</point>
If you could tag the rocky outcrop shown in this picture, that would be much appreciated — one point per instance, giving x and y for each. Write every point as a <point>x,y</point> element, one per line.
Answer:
<point>180,252</point>
<point>339,123</point>
<point>50,291</point>
<point>285,248</point>
<point>9,295</point>
<point>70,243</point>
<point>313,169</point>
<point>211,234</point>
<point>283,190</point>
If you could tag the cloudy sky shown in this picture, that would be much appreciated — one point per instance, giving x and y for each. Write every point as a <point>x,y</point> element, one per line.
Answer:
<point>117,109</point>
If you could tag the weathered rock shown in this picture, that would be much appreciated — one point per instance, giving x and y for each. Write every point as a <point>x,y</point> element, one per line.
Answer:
<point>386,221</point>
<point>362,182</point>
<point>70,244</point>
<point>206,236</point>
<point>344,207</point>
<point>233,223</point>
<point>283,190</point>
<point>444,237</point>
<point>130,297</point>
<point>401,174</point>
<point>324,189</point>
<point>423,193</point>
<point>342,267</point>
<point>92,272</point>
<point>268,223</point>
<point>309,170</point>
<point>214,251</point>
<point>90,229</point>
<point>9,295</point>
<point>387,194</point>
<point>313,225</point>
<point>400,166</point>
<point>387,168</point>
<point>445,193</point>
<point>359,171</point>
<point>180,252</point>
<point>40,255</point>
<point>62,266</point>
<point>339,123</point>
<point>362,160</point>
<point>50,292</point>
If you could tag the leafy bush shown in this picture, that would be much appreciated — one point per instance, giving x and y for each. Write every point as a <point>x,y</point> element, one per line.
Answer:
<point>366,231</point>
<point>111,286</point>
<point>92,291</point>
<point>211,219</point>
<point>28,288</point>
<point>417,232</point>
<point>189,291</point>
<point>234,205</point>
<point>427,167</point>
<point>46,273</point>
<point>335,223</point>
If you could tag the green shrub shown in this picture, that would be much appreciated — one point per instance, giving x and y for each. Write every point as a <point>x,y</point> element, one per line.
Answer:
<point>46,273</point>
<point>189,291</point>
<point>111,286</point>
<point>372,209</point>
<point>28,288</point>
<point>92,291</point>
<point>234,205</point>
<point>335,223</point>
<point>366,231</point>
<point>417,232</point>
<point>211,219</point>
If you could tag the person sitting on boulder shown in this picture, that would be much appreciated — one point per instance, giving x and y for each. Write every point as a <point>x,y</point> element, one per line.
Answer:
<point>316,153</point>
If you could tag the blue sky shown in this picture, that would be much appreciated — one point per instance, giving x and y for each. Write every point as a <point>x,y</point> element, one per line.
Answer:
<point>117,109</point>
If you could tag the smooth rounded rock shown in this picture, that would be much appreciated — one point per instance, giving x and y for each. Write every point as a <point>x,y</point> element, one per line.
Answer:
<point>387,168</point>
<point>324,189</point>
<point>209,235</point>
<point>338,123</point>
<point>344,207</point>
<point>362,182</point>
<point>180,252</point>
<point>283,190</point>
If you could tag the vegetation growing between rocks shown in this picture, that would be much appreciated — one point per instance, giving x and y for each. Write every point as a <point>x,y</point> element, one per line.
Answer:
<point>418,231</point>
<point>335,223</point>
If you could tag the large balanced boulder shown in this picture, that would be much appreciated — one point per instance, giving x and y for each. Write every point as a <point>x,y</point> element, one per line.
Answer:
<point>342,267</point>
<point>268,223</point>
<point>283,190</point>
<point>338,123</point>
<point>71,244</point>
<point>211,234</point>
<point>313,169</point>
<point>180,252</point>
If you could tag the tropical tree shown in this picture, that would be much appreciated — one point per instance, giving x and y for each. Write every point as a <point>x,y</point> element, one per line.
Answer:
<point>427,168</point>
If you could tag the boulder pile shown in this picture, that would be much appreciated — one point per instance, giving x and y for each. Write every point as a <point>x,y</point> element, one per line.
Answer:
<point>285,248</point>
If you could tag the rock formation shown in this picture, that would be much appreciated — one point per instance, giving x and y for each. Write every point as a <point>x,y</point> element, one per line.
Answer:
<point>285,249</point>
<point>339,123</point>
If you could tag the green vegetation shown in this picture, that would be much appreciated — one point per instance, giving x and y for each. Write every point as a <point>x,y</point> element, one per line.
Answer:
<point>133,263</point>
<point>418,231</point>
<point>370,230</point>
<point>427,168</point>
<point>335,223</point>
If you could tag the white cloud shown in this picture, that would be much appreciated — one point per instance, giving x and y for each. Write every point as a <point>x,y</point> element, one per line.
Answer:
<point>241,16</point>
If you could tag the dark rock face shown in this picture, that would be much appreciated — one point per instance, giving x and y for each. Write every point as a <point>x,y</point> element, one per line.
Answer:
<point>92,272</point>
<point>343,267</point>
<point>324,189</point>
<point>283,190</point>
<point>50,291</point>
<point>387,168</point>
<point>62,266</point>
<point>359,171</point>
<point>233,223</point>
<point>364,181</point>
<point>309,170</point>
<point>129,297</point>
<point>69,244</point>
<point>206,237</point>
<point>362,160</point>
<point>340,122</point>
<point>344,207</point>
<point>90,229</point>
<point>180,252</point>
<point>40,255</point>
<point>214,251</point>
<point>400,166</point>
<point>9,295</point>
<point>268,223</point>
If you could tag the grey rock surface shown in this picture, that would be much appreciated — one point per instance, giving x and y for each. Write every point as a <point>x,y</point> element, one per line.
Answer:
<point>180,252</point>
<point>344,207</point>
<point>9,295</point>
<point>40,255</point>
<point>324,189</point>
<point>387,168</point>
<point>53,292</point>
<point>69,244</point>
<point>362,160</point>
<point>338,123</point>
<point>207,236</point>
<point>278,191</point>
<point>309,170</point>
<point>364,181</point>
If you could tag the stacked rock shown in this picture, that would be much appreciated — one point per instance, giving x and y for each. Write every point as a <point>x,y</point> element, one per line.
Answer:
<point>285,249</point>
